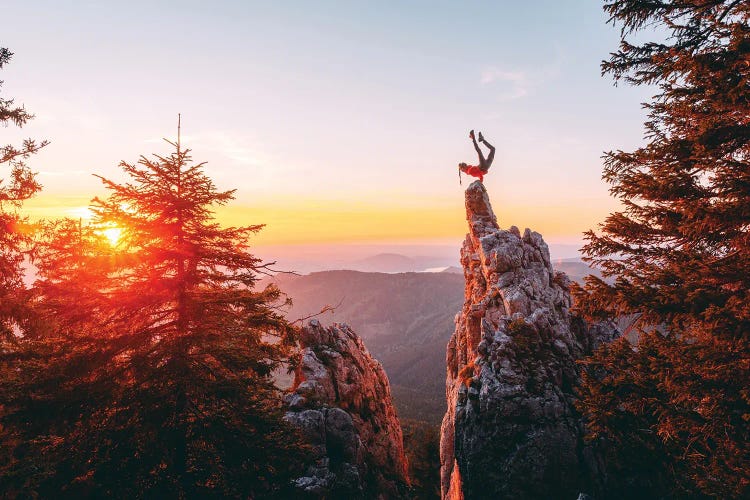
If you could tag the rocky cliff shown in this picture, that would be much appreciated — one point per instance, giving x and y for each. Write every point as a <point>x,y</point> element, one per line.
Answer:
<point>342,402</point>
<point>511,430</point>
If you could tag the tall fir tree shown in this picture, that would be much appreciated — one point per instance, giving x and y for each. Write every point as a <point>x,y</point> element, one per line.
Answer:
<point>17,185</point>
<point>679,254</point>
<point>154,378</point>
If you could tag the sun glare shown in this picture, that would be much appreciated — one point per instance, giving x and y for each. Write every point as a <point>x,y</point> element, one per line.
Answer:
<point>113,235</point>
<point>80,213</point>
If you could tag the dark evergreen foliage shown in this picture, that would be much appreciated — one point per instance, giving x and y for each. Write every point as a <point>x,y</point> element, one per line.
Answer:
<point>422,448</point>
<point>149,375</point>
<point>676,407</point>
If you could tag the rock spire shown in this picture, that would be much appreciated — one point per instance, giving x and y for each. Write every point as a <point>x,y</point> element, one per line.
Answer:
<point>511,429</point>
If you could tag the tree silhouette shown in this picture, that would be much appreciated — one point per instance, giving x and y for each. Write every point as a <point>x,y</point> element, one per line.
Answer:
<point>678,249</point>
<point>156,379</point>
<point>18,186</point>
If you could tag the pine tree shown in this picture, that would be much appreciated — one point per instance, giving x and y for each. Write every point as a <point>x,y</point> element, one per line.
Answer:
<point>18,186</point>
<point>156,378</point>
<point>679,251</point>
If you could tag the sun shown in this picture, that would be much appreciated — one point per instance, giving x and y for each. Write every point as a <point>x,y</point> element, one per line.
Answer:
<point>113,235</point>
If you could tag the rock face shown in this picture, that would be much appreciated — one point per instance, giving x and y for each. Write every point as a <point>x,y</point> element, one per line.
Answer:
<point>511,430</point>
<point>341,400</point>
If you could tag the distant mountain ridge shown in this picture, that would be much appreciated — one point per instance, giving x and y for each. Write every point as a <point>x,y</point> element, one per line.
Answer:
<point>389,258</point>
<point>386,263</point>
<point>576,269</point>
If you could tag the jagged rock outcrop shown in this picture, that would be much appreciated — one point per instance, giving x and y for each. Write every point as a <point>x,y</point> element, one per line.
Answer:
<point>341,401</point>
<point>511,430</point>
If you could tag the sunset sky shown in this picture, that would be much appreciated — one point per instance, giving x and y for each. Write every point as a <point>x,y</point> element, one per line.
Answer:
<point>337,122</point>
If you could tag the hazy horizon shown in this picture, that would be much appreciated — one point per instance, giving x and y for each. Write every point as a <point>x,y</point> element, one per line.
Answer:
<point>325,257</point>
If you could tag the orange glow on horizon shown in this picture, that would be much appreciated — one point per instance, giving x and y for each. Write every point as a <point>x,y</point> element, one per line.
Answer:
<point>294,221</point>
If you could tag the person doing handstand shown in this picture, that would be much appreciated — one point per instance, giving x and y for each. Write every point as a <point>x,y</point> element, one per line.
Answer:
<point>484,164</point>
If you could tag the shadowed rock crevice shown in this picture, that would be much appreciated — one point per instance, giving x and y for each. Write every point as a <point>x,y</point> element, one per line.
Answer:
<point>511,429</point>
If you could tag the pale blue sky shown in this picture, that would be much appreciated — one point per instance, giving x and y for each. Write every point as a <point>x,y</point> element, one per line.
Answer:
<point>331,104</point>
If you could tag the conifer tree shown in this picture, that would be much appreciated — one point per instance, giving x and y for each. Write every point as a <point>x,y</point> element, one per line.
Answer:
<point>678,252</point>
<point>155,377</point>
<point>17,184</point>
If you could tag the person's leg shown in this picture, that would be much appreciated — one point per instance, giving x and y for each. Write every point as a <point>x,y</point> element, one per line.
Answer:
<point>482,161</point>
<point>491,156</point>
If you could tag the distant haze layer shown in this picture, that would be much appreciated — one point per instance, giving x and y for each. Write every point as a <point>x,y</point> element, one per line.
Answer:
<point>384,257</point>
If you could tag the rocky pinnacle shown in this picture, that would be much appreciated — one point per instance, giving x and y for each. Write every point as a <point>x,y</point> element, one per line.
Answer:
<point>511,429</point>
